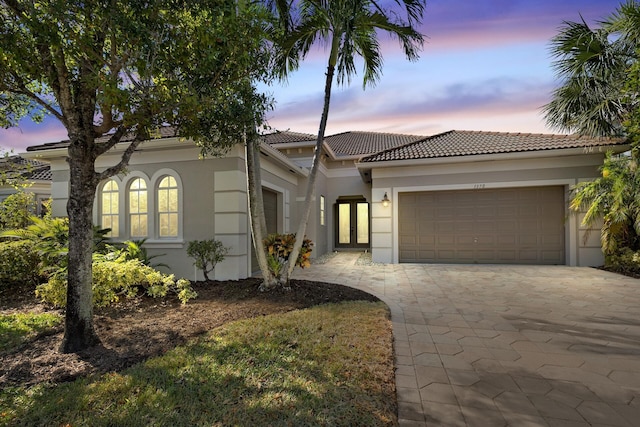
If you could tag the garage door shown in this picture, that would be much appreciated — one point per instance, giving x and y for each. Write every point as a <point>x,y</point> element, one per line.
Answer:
<point>496,226</point>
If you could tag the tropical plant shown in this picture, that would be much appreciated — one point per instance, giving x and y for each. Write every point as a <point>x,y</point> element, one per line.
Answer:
<point>49,238</point>
<point>206,254</point>
<point>134,250</point>
<point>16,210</point>
<point>593,67</point>
<point>625,261</point>
<point>279,249</point>
<point>350,28</point>
<point>122,69</point>
<point>598,96</point>
<point>614,199</point>
<point>19,264</point>
<point>115,279</point>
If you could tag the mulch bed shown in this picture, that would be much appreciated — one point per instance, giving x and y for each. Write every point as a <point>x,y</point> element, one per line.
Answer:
<point>137,329</point>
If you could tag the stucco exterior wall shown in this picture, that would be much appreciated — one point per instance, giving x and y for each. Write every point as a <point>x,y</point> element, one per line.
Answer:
<point>213,201</point>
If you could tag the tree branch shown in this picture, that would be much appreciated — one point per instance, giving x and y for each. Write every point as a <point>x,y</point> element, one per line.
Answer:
<point>124,161</point>
<point>115,139</point>
<point>21,89</point>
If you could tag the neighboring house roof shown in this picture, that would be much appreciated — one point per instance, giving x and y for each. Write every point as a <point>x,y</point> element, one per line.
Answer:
<point>30,169</point>
<point>349,144</point>
<point>470,143</point>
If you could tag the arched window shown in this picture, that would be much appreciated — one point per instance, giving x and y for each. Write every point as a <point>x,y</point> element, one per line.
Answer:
<point>168,207</point>
<point>138,210</point>
<point>110,204</point>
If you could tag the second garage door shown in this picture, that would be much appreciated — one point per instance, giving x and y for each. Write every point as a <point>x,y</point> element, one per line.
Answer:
<point>495,226</point>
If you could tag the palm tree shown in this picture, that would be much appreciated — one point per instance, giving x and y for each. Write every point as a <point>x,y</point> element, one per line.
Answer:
<point>613,199</point>
<point>351,29</point>
<point>593,66</point>
<point>599,69</point>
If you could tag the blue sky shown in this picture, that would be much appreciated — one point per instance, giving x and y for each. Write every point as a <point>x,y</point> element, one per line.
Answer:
<point>486,66</point>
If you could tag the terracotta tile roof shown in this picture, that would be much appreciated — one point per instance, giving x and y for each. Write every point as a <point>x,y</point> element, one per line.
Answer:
<point>43,173</point>
<point>363,143</point>
<point>287,137</point>
<point>163,132</point>
<point>470,143</point>
<point>28,168</point>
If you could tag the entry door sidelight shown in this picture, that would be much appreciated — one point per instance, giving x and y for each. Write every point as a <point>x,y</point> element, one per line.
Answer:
<point>352,224</point>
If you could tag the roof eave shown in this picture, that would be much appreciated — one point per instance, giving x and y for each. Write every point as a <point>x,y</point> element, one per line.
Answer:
<point>282,160</point>
<point>618,148</point>
<point>299,144</point>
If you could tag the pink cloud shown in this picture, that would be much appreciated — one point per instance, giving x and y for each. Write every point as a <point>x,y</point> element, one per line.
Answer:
<point>19,138</point>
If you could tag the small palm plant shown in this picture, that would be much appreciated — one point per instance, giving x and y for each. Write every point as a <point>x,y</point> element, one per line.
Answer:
<point>613,198</point>
<point>134,249</point>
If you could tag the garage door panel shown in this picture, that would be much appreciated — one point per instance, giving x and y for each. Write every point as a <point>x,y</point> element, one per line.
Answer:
<point>483,226</point>
<point>482,241</point>
<point>507,256</point>
<point>429,239</point>
<point>464,240</point>
<point>463,226</point>
<point>485,212</point>
<point>507,212</point>
<point>507,240</point>
<point>445,240</point>
<point>485,255</point>
<point>445,212</point>
<point>552,241</point>
<point>551,255</point>
<point>444,227</point>
<point>515,225</point>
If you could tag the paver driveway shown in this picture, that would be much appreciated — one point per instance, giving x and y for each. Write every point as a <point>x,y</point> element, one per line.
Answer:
<point>506,345</point>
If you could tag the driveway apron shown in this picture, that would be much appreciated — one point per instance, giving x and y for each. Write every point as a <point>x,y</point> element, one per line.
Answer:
<point>489,345</point>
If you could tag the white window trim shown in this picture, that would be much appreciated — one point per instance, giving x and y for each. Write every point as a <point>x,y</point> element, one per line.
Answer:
<point>129,180</point>
<point>97,214</point>
<point>153,238</point>
<point>155,179</point>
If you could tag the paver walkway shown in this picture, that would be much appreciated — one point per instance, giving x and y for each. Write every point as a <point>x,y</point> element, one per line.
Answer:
<point>490,346</point>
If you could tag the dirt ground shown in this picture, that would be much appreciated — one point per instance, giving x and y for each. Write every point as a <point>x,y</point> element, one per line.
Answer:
<point>137,329</point>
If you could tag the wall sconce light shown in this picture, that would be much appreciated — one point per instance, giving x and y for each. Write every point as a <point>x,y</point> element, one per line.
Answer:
<point>385,200</point>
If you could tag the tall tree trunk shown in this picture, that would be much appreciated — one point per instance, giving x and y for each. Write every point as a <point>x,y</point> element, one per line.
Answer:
<point>79,332</point>
<point>311,182</point>
<point>256,212</point>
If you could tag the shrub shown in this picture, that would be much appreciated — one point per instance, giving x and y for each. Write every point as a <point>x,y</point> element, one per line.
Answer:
<point>279,247</point>
<point>16,210</point>
<point>19,263</point>
<point>206,254</point>
<point>115,279</point>
<point>134,249</point>
<point>625,261</point>
<point>49,237</point>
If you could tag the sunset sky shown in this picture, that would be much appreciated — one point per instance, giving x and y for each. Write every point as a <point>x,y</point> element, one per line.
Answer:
<point>486,66</point>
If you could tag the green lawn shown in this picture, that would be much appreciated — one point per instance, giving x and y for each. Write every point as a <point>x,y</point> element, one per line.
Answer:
<point>327,365</point>
<point>19,327</point>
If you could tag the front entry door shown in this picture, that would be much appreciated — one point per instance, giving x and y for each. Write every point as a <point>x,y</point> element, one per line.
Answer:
<point>352,224</point>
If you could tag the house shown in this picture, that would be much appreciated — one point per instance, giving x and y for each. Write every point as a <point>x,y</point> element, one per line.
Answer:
<point>455,197</point>
<point>36,174</point>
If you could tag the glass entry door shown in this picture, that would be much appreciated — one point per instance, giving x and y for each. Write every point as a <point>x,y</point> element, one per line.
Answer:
<point>352,224</point>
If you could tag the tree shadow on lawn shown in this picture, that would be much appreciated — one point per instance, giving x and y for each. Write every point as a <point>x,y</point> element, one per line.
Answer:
<point>134,330</point>
<point>255,372</point>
